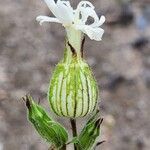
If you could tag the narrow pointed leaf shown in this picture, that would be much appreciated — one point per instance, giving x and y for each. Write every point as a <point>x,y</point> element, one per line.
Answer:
<point>48,129</point>
<point>87,138</point>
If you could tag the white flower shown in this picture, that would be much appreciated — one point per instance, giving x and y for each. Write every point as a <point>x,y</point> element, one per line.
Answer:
<point>76,19</point>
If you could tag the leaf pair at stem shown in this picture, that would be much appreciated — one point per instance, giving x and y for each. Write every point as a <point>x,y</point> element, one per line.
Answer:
<point>56,134</point>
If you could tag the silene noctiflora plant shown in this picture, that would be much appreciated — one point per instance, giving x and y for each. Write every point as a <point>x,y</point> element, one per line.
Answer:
<point>73,90</point>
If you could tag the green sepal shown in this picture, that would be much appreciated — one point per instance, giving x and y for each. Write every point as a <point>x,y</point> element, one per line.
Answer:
<point>50,130</point>
<point>89,134</point>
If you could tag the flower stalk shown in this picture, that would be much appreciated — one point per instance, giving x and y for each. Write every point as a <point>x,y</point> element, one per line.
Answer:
<point>74,130</point>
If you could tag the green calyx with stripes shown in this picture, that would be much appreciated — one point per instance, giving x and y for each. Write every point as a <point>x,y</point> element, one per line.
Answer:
<point>73,91</point>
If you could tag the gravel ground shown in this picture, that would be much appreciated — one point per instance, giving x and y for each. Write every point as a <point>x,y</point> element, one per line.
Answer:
<point>121,62</point>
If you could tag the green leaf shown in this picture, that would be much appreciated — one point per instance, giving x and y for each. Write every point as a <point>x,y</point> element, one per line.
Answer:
<point>89,134</point>
<point>49,130</point>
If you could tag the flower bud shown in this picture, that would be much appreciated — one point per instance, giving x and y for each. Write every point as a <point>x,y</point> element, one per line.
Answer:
<point>49,130</point>
<point>73,90</point>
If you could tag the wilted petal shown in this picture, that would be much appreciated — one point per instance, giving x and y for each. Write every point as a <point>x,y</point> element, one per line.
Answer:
<point>61,10</point>
<point>42,19</point>
<point>84,9</point>
<point>93,33</point>
<point>88,12</point>
<point>99,23</point>
<point>50,3</point>
<point>64,12</point>
<point>85,4</point>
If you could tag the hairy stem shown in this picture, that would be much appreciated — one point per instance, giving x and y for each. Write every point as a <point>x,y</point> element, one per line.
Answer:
<point>74,130</point>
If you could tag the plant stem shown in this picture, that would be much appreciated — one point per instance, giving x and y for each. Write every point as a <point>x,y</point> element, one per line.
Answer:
<point>64,147</point>
<point>74,130</point>
<point>54,148</point>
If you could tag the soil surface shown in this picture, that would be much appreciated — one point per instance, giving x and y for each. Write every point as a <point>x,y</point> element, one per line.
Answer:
<point>120,62</point>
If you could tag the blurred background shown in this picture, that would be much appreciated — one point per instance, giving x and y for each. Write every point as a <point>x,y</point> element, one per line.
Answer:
<point>120,62</point>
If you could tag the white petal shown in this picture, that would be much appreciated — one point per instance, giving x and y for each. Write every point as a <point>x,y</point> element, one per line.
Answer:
<point>99,23</point>
<point>84,4</point>
<point>61,10</point>
<point>93,33</point>
<point>53,8</point>
<point>64,12</point>
<point>102,20</point>
<point>42,19</point>
<point>67,3</point>
<point>85,10</point>
<point>88,12</point>
<point>81,6</point>
<point>50,3</point>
